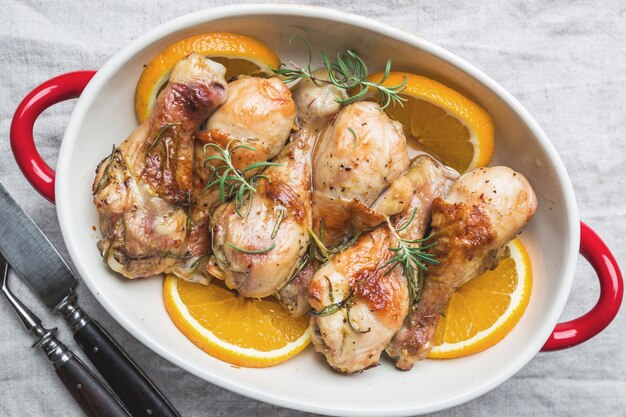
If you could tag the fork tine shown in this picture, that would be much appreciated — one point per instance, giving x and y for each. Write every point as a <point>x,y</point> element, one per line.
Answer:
<point>26,316</point>
<point>4,271</point>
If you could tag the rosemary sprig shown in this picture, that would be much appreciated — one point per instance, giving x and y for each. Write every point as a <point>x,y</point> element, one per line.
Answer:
<point>356,139</point>
<point>252,252</point>
<point>412,256</point>
<point>354,326</point>
<point>200,258</point>
<point>319,251</point>
<point>282,211</point>
<point>106,175</point>
<point>331,292</point>
<point>335,307</point>
<point>160,134</point>
<point>173,255</point>
<point>232,183</point>
<point>349,72</point>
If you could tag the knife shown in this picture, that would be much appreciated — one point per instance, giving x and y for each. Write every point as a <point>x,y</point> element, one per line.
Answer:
<point>89,392</point>
<point>38,263</point>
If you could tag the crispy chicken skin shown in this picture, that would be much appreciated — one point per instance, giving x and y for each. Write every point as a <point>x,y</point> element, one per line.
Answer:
<point>376,296</point>
<point>259,112</point>
<point>294,296</point>
<point>277,224</point>
<point>360,154</point>
<point>143,190</point>
<point>484,210</point>
<point>377,303</point>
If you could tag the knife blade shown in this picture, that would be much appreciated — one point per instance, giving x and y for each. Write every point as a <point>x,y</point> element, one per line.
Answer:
<point>31,254</point>
<point>37,262</point>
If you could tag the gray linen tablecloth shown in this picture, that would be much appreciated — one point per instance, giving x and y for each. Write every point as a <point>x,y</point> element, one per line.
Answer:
<point>564,60</point>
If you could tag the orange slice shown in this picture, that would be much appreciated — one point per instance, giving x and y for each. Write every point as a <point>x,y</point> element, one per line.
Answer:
<point>484,310</point>
<point>238,53</point>
<point>445,122</point>
<point>242,331</point>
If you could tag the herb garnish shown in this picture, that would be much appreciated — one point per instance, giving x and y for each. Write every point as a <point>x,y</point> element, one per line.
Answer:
<point>349,73</point>
<point>335,307</point>
<point>319,251</point>
<point>411,255</point>
<point>232,182</point>
<point>356,139</point>
<point>282,211</point>
<point>159,135</point>
<point>106,175</point>
<point>252,252</point>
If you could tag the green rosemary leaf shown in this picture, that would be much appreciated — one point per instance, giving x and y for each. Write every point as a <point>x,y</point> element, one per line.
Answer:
<point>348,72</point>
<point>333,308</point>
<point>231,182</point>
<point>406,224</point>
<point>222,187</point>
<point>242,146</point>
<point>260,165</point>
<point>323,251</point>
<point>328,310</point>
<point>352,325</point>
<point>253,252</point>
<point>303,262</point>
<point>281,216</point>
<point>105,175</point>
<point>411,255</point>
<point>200,259</point>
<point>308,47</point>
<point>356,139</point>
<point>160,134</point>
<point>331,292</point>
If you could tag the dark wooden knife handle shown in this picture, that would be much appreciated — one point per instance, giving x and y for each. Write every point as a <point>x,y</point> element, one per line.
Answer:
<point>92,397</point>
<point>135,390</point>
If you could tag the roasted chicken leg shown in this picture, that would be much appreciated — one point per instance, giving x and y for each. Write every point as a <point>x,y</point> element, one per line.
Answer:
<point>143,189</point>
<point>317,106</point>
<point>361,153</point>
<point>484,210</point>
<point>360,301</point>
<point>260,113</point>
<point>259,252</point>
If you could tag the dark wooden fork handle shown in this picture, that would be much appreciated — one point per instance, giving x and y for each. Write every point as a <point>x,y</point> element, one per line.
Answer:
<point>92,397</point>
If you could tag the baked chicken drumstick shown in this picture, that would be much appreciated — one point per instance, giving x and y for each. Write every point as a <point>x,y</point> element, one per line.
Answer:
<point>357,157</point>
<point>360,299</point>
<point>259,113</point>
<point>258,249</point>
<point>484,210</point>
<point>143,189</point>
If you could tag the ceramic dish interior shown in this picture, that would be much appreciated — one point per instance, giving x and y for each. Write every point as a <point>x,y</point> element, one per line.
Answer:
<point>105,116</point>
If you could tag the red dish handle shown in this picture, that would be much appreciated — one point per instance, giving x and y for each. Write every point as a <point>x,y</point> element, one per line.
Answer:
<point>61,88</point>
<point>574,332</point>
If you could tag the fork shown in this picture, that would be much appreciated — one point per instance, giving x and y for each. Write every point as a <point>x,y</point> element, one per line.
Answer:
<point>91,395</point>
